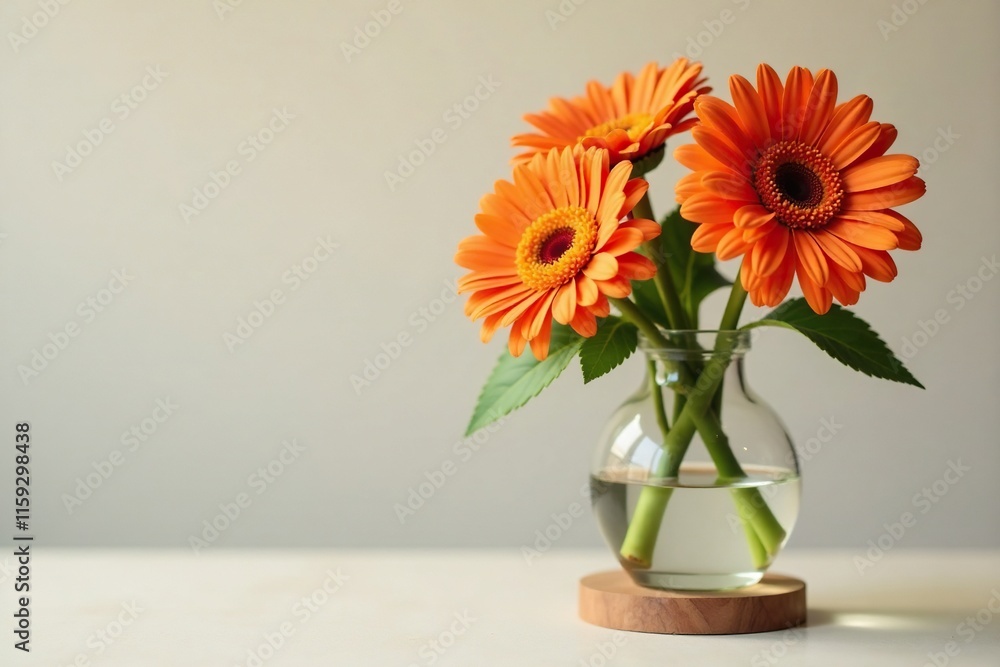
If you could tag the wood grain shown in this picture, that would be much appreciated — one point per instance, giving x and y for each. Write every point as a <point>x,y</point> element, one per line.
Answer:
<point>612,600</point>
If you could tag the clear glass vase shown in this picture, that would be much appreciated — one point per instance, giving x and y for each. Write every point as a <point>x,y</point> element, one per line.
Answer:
<point>695,482</point>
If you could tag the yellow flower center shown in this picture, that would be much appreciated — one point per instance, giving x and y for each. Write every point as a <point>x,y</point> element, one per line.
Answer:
<point>799,184</point>
<point>633,124</point>
<point>555,247</point>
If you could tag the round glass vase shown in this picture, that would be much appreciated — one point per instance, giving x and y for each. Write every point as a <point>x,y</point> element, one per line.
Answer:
<point>695,482</point>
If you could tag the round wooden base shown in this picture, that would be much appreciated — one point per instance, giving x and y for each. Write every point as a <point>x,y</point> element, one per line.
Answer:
<point>612,600</point>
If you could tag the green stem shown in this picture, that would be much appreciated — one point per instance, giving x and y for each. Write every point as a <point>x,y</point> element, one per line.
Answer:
<point>657,391</point>
<point>633,314</point>
<point>734,306</point>
<point>676,315</point>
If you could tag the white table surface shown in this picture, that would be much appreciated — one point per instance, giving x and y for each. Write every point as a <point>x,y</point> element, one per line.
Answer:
<point>474,608</point>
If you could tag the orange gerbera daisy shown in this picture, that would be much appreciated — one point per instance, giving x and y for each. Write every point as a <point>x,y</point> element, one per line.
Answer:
<point>798,185</point>
<point>555,245</point>
<point>631,119</point>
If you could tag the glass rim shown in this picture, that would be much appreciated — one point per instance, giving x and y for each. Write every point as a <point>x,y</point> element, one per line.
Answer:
<point>706,339</point>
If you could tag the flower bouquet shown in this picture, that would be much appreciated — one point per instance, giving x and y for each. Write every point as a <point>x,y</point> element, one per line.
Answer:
<point>573,262</point>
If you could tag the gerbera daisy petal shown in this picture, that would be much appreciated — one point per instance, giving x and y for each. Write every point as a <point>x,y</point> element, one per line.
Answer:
<point>622,241</point>
<point>883,217</point>
<point>879,172</point>
<point>564,303</point>
<point>863,234</point>
<point>910,237</point>
<point>876,264</point>
<point>750,109</point>
<point>516,344</point>
<point>634,266</point>
<point>887,197</point>
<point>723,118</point>
<point>769,252</point>
<point>840,290</point>
<point>498,229</point>
<point>727,185</point>
<point>489,327</point>
<point>837,250</point>
<point>689,185</point>
<point>771,91</point>
<point>602,266</point>
<point>754,234</point>
<point>811,257</point>
<point>731,244</point>
<point>586,291</point>
<point>634,191</point>
<point>818,298</point>
<point>617,287</point>
<point>848,116</point>
<point>584,323</point>
<point>706,237</point>
<point>696,158</point>
<point>540,342</point>
<point>856,143</point>
<point>886,137</point>
<point>752,216</point>
<point>775,286</point>
<point>819,107</point>
<point>792,101</point>
<point>709,209</point>
<point>649,229</point>
<point>720,149</point>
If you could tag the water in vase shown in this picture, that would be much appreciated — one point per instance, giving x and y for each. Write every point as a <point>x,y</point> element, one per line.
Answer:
<point>702,543</point>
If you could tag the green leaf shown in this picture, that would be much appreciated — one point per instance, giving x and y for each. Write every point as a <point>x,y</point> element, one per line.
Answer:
<point>844,336</point>
<point>647,297</point>
<point>613,343</point>
<point>693,272</point>
<point>516,380</point>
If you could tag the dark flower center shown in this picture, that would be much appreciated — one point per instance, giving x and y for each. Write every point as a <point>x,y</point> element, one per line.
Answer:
<point>799,184</point>
<point>556,245</point>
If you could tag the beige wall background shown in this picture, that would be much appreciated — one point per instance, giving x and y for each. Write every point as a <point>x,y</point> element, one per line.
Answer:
<point>200,247</point>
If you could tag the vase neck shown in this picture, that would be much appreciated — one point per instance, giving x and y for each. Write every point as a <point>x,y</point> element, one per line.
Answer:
<point>696,345</point>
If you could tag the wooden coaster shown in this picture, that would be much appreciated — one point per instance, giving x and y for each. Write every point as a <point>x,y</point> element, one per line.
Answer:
<point>612,600</point>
